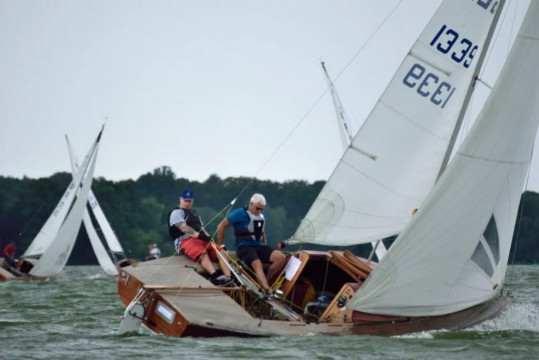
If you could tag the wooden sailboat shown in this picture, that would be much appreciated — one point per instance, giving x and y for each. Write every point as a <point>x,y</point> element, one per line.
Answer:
<point>446,269</point>
<point>111,256</point>
<point>47,255</point>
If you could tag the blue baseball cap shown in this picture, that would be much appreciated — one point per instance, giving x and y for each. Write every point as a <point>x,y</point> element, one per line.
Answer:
<point>187,194</point>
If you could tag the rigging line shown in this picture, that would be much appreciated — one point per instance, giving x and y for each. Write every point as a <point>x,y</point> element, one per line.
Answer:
<point>365,44</point>
<point>321,96</point>
<point>491,48</point>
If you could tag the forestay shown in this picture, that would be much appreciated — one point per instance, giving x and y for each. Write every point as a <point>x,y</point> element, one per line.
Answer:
<point>55,257</point>
<point>454,253</point>
<point>395,157</point>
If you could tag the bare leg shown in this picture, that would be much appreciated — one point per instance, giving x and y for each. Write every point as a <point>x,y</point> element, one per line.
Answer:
<point>206,263</point>
<point>277,261</point>
<point>222,264</point>
<point>259,271</point>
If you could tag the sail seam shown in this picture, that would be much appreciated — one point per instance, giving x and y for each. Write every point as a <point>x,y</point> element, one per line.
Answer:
<point>411,121</point>
<point>377,182</point>
<point>446,72</point>
<point>495,161</point>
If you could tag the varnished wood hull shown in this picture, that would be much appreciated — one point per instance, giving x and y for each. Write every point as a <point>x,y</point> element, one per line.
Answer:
<point>201,310</point>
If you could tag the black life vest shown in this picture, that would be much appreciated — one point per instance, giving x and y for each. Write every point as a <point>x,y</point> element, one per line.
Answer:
<point>192,219</point>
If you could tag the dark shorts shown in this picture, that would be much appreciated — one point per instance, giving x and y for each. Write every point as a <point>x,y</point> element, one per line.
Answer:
<point>248,254</point>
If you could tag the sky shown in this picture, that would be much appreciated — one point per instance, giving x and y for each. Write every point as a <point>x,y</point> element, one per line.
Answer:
<point>233,88</point>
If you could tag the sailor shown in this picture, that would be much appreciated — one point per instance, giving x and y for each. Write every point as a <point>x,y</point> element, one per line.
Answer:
<point>249,228</point>
<point>153,252</point>
<point>187,230</point>
<point>9,254</point>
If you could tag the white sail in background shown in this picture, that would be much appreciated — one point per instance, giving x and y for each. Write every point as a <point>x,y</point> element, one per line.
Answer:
<point>48,231</point>
<point>394,159</point>
<point>345,131</point>
<point>55,257</point>
<point>104,225</point>
<point>101,253</point>
<point>454,253</point>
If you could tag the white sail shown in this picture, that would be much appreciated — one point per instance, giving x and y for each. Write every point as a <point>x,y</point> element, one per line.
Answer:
<point>104,225</point>
<point>48,231</point>
<point>345,131</point>
<point>55,257</point>
<point>394,159</point>
<point>101,253</point>
<point>454,253</point>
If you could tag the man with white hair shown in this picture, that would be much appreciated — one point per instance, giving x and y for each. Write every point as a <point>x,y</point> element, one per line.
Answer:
<point>249,223</point>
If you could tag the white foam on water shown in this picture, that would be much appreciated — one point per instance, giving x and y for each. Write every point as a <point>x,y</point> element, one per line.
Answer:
<point>514,317</point>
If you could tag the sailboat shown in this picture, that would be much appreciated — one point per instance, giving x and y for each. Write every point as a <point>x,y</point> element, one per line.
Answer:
<point>47,255</point>
<point>455,223</point>
<point>108,260</point>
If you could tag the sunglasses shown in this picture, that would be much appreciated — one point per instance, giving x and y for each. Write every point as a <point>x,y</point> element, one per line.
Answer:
<point>259,208</point>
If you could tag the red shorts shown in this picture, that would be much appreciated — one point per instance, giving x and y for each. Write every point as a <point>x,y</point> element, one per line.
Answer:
<point>194,247</point>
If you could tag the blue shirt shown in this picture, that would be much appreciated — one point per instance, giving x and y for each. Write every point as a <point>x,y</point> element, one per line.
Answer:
<point>240,220</point>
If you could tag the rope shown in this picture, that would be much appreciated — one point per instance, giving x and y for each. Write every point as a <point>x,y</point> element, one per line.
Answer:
<point>315,103</point>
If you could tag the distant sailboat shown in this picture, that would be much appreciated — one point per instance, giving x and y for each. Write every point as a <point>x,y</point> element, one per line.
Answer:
<point>47,255</point>
<point>107,259</point>
<point>446,268</point>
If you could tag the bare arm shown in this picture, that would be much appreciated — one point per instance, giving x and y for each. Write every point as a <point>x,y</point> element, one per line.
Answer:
<point>186,229</point>
<point>221,231</point>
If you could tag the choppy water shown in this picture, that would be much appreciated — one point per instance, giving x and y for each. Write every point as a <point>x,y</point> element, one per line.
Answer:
<point>77,316</point>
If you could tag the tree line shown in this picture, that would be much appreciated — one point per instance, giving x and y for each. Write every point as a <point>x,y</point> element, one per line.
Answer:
<point>138,210</point>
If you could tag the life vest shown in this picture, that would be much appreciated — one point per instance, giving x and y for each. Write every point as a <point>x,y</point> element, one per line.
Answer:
<point>192,219</point>
<point>254,229</point>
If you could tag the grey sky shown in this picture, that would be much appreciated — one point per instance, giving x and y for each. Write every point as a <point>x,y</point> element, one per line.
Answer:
<point>201,86</point>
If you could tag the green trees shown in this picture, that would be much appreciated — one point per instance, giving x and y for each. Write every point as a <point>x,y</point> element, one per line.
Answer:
<point>138,210</point>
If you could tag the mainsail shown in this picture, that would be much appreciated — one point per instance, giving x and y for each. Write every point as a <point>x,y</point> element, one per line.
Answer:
<point>101,253</point>
<point>454,253</point>
<point>394,159</point>
<point>55,257</point>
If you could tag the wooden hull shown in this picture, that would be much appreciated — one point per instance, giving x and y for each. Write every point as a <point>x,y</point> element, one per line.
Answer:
<point>180,302</point>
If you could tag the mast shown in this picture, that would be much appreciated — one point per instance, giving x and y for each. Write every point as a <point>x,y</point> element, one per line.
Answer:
<point>469,93</point>
<point>344,128</point>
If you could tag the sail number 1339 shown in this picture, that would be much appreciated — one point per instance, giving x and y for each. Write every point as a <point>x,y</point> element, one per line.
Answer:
<point>428,85</point>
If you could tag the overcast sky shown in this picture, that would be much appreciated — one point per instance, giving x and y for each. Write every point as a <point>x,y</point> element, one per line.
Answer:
<point>201,86</point>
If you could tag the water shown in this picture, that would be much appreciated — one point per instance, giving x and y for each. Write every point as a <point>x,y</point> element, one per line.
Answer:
<point>77,316</point>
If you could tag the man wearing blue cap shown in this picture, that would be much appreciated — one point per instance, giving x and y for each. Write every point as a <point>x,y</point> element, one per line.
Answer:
<point>187,230</point>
